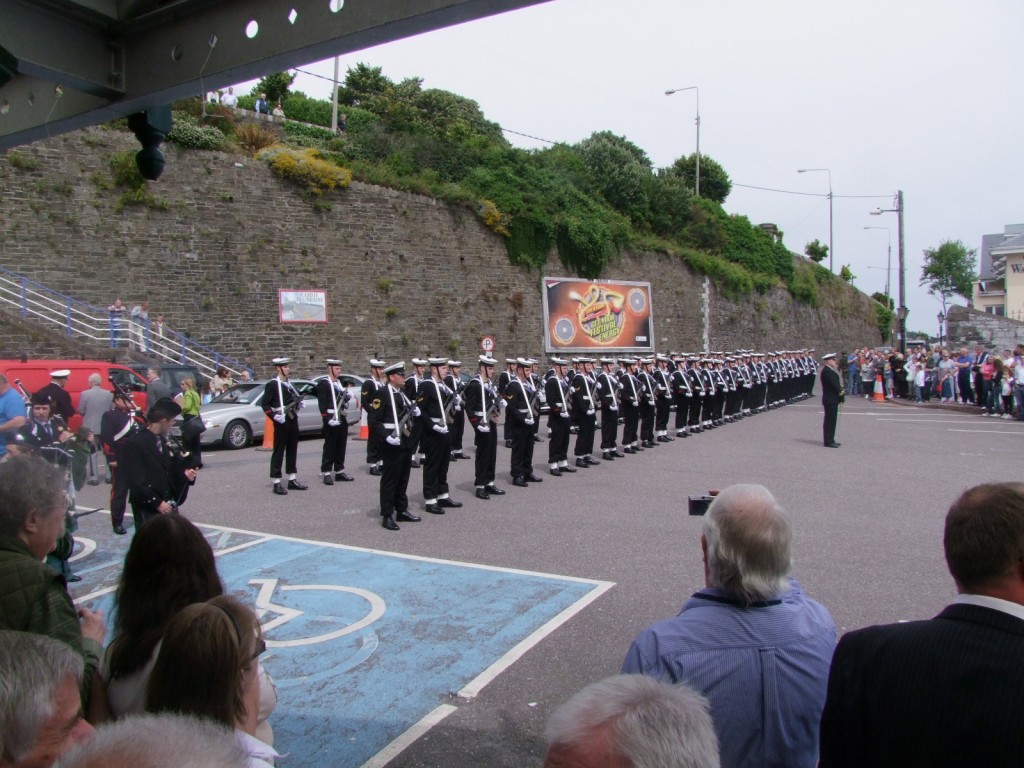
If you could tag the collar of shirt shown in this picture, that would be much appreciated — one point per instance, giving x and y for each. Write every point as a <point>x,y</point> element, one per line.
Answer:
<point>995,603</point>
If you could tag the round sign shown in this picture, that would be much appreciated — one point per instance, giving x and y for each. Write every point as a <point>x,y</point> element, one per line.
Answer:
<point>487,344</point>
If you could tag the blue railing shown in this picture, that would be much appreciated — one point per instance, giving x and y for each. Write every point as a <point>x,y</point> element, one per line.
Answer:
<point>117,328</point>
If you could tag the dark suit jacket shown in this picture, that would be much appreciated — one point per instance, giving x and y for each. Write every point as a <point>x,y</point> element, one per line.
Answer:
<point>831,387</point>
<point>944,692</point>
<point>152,476</point>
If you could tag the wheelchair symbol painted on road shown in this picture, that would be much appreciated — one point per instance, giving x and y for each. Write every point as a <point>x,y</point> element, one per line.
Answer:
<point>283,614</point>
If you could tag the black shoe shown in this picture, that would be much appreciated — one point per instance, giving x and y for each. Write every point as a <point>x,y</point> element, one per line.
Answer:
<point>109,481</point>
<point>481,493</point>
<point>74,577</point>
<point>568,469</point>
<point>119,530</point>
<point>279,490</point>
<point>328,480</point>
<point>663,438</point>
<point>556,472</point>
<point>520,483</point>
<point>461,455</point>
<point>453,457</point>
<point>405,517</point>
<point>618,455</point>
<point>608,456</point>
<point>449,503</point>
<point>534,479</point>
<point>434,509</point>
<point>389,523</point>
<point>94,482</point>
<point>591,461</point>
<point>582,463</point>
<point>345,477</point>
<point>831,445</point>
<point>508,443</point>
<point>376,471</point>
<point>629,449</point>
<point>537,439</point>
<point>683,435</point>
<point>295,485</point>
<point>494,490</point>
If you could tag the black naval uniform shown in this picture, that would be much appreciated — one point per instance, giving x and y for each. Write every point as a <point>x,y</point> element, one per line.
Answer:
<point>412,392</point>
<point>609,414</point>
<point>481,404</point>
<point>116,426</point>
<point>332,398</point>
<point>387,411</point>
<point>629,401</point>
<point>684,396</point>
<point>370,390</point>
<point>832,394</point>
<point>520,419</point>
<point>584,415</point>
<point>504,378</point>
<point>699,396</point>
<point>648,402</point>
<point>559,415</point>
<point>457,431</point>
<point>435,442</point>
<point>662,403</point>
<point>281,397</point>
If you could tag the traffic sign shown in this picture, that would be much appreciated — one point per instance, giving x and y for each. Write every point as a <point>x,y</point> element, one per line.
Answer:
<point>487,343</point>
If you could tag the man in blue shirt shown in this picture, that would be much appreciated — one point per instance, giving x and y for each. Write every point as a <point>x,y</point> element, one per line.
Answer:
<point>12,413</point>
<point>751,641</point>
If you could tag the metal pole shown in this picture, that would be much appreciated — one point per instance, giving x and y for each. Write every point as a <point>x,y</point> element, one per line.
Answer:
<point>334,99</point>
<point>831,253</point>
<point>697,179</point>
<point>903,272</point>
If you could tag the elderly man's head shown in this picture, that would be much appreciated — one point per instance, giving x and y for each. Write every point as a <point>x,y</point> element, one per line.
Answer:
<point>33,500</point>
<point>40,708</point>
<point>747,540</point>
<point>984,541</point>
<point>632,721</point>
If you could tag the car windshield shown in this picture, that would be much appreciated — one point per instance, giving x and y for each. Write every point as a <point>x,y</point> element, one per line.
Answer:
<point>240,393</point>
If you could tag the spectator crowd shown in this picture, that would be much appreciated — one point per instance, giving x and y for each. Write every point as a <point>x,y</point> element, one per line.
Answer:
<point>991,380</point>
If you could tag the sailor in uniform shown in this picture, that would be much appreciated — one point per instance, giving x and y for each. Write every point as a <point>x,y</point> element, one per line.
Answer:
<point>504,379</point>
<point>333,398</point>
<point>458,429</point>
<point>662,397</point>
<point>584,413</point>
<point>483,406</point>
<point>412,391</point>
<point>559,401</point>
<point>648,402</point>
<point>367,394</point>
<point>521,414</point>
<point>281,402</point>
<point>832,394</point>
<point>391,415</point>
<point>436,402</point>
<point>607,393</point>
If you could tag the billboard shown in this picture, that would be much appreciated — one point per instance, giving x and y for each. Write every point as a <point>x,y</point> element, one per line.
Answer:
<point>594,315</point>
<point>302,306</point>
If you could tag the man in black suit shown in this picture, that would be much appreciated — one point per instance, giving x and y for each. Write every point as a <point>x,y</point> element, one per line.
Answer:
<point>155,474</point>
<point>832,394</point>
<point>949,691</point>
<point>391,415</point>
<point>332,398</point>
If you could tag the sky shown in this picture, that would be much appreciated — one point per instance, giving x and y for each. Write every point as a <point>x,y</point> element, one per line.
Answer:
<point>924,97</point>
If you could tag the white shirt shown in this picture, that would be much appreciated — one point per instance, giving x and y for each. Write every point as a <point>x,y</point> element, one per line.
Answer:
<point>995,603</point>
<point>260,755</point>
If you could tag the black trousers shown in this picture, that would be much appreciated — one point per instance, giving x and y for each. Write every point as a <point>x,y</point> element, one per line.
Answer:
<point>662,408</point>
<point>486,455</point>
<point>683,411</point>
<point>609,428</point>
<point>828,426</point>
<point>963,382</point>
<point>394,480</point>
<point>373,451</point>
<point>521,436</point>
<point>647,422</point>
<point>558,447</point>
<point>585,427</point>
<point>630,422</point>
<point>118,495</point>
<point>437,456</point>
<point>286,447</point>
<point>415,437</point>
<point>335,443</point>
<point>456,432</point>
<point>696,405</point>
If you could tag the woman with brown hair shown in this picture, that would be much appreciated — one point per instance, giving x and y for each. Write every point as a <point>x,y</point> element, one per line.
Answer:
<point>208,667</point>
<point>190,405</point>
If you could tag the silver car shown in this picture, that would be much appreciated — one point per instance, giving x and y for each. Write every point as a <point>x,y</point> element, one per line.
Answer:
<point>235,417</point>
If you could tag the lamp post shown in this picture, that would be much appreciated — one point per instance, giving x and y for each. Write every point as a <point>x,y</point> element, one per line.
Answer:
<point>901,310</point>
<point>888,262</point>
<point>826,170</point>
<point>696,90</point>
<point>942,318</point>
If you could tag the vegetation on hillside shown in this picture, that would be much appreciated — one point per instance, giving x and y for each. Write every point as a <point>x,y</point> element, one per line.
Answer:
<point>589,201</point>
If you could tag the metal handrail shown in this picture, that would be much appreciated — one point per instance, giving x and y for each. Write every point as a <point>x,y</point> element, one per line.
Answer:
<point>77,319</point>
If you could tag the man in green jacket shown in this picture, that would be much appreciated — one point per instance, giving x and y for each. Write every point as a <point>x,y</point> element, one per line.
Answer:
<point>34,597</point>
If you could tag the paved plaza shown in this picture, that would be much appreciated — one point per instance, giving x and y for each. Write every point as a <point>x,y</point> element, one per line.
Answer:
<point>450,642</point>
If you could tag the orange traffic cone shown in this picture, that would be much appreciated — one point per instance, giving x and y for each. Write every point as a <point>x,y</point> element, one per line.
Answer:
<point>364,428</point>
<point>879,394</point>
<point>268,436</point>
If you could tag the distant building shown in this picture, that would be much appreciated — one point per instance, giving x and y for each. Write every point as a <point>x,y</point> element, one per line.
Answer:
<point>999,289</point>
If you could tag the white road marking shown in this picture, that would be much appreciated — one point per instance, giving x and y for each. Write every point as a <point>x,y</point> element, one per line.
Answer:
<point>1019,432</point>
<point>88,547</point>
<point>392,750</point>
<point>377,609</point>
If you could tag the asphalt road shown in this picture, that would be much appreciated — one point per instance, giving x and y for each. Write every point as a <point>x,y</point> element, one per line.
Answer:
<point>868,536</point>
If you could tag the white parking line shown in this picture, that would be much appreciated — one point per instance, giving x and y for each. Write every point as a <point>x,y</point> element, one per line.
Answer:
<point>1019,432</point>
<point>392,750</point>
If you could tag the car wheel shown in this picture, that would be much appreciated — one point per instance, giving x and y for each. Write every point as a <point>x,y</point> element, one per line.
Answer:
<point>237,434</point>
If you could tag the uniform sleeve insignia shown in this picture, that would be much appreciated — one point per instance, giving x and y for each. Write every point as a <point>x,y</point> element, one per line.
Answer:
<point>375,404</point>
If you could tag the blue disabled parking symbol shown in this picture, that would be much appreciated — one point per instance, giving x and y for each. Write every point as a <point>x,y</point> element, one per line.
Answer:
<point>364,645</point>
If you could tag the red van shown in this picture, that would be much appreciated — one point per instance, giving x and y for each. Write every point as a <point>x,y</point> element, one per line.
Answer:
<point>35,374</point>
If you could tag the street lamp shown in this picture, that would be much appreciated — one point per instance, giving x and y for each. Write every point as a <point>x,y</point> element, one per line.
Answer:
<point>696,185</point>
<point>901,310</point>
<point>942,318</point>
<point>826,170</point>
<point>888,264</point>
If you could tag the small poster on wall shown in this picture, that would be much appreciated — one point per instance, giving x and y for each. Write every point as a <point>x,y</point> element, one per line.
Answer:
<point>302,306</point>
<point>582,315</point>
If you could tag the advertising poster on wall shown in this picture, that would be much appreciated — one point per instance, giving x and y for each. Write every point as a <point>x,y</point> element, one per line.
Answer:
<point>593,315</point>
<point>302,306</point>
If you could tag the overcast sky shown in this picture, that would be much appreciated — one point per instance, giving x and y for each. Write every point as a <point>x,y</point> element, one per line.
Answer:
<point>923,96</point>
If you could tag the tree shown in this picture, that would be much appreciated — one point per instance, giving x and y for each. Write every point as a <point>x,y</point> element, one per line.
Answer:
<point>275,85</point>
<point>846,274</point>
<point>816,252</point>
<point>885,301</point>
<point>620,171</point>
<point>949,271</point>
<point>714,181</point>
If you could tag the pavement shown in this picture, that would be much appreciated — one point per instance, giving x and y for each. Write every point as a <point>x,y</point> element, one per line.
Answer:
<point>460,634</point>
